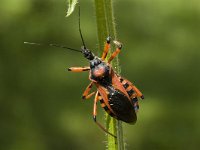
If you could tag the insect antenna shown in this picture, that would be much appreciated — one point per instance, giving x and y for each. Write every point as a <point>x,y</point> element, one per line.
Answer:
<point>79,25</point>
<point>62,46</point>
<point>54,45</point>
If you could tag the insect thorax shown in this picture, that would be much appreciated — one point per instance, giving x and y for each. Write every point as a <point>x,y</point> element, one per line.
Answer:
<point>100,71</point>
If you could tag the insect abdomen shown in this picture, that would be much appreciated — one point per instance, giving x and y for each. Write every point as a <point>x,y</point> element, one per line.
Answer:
<point>121,106</point>
<point>103,105</point>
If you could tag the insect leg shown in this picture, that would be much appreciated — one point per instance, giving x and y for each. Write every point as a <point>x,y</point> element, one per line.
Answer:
<point>116,52</point>
<point>106,48</point>
<point>95,114</point>
<point>78,69</point>
<point>86,94</point>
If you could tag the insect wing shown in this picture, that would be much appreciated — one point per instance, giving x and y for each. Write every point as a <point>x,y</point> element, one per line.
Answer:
<point>117,104</point>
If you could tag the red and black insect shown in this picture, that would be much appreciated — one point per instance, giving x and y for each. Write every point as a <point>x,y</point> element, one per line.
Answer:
<point>117,95</point>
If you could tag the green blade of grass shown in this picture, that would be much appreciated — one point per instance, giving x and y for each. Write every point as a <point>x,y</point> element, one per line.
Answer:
<point>71,6</point>
<point>105,28</point>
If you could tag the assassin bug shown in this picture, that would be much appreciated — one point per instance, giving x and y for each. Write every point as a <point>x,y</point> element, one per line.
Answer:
<point>117,95</point>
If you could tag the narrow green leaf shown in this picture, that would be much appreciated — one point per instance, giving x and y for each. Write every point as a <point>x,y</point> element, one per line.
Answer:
<point>71,6</point>
<point>106,27</point>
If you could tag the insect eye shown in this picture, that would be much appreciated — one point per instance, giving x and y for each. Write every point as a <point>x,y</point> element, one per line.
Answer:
<point>92,64</point>
<point>97,61</point>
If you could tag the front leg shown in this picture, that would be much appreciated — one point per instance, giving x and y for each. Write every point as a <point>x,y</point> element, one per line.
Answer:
<point>116,52</point>
<point>79,69</point>
<point>106,48</point>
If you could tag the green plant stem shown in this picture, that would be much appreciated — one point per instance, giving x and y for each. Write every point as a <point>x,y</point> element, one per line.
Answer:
<point>105,28</point>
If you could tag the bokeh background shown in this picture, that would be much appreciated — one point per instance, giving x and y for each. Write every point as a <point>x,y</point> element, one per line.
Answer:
<point>40,101</point>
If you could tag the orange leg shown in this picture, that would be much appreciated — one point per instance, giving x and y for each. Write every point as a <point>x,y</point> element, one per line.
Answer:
<point>86,94</point>
<point>95,114</point>
<point>116,52</point>
<point>106,48</point>
<point>78,69</point>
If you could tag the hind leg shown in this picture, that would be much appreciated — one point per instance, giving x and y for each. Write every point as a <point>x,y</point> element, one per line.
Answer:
<point>96,99</point>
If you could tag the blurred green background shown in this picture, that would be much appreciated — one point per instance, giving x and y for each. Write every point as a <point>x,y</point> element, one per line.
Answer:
<point>40,101</point>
